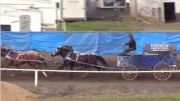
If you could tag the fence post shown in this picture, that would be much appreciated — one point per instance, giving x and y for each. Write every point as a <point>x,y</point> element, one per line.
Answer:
<point>36,78</point>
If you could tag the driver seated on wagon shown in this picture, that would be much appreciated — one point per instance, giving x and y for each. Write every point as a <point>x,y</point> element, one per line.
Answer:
<point>131,46</point>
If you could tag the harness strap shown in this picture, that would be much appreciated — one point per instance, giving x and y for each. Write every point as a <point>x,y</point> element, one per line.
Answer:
<point>18,56</point>
<point>77,57</point>
<point>68,57</point>
<point>7,56</point>
<point>86,63</point>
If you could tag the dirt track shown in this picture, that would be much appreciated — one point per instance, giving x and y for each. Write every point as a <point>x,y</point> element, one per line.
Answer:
<point>93,84</point>
<point>99,84</point>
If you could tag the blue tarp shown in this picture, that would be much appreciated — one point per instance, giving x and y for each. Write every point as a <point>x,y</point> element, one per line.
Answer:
<point>41,41</point>
<point>16,40</point>
<point>103,43</point>
<point>46,41</point>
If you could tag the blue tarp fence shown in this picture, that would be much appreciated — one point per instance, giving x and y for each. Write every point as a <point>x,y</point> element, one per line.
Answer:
<point>102,43</point>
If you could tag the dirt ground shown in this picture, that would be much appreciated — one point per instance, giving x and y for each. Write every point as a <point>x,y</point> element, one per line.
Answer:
<point>59,84</point>
<point>99,84</point>
<point>13,92</point>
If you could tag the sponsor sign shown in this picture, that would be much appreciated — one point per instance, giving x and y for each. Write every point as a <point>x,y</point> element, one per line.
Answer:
<point>160,49</point>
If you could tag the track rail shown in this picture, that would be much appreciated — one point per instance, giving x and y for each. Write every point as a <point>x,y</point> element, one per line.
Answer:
<point>36,71</point>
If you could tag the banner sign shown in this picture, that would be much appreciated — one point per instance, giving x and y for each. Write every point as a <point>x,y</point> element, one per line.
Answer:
<point>160,49</point>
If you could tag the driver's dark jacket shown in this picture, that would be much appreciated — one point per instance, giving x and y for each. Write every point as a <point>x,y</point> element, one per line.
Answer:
<point>131,44</point>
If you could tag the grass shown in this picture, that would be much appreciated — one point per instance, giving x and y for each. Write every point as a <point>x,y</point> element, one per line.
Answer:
<point>125,24</point>
<point>101,26</point>
<point>152,97</point>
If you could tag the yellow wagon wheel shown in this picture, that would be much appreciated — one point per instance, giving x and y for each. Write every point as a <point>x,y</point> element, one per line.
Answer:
<point>162,66</point>
<point>129,76</point>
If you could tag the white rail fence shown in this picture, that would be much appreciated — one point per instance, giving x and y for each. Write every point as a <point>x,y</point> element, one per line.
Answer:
<point>36,71</point>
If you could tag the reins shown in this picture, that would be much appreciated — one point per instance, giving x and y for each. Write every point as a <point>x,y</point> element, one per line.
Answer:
<point>27,60</point>
<point>70,59</point>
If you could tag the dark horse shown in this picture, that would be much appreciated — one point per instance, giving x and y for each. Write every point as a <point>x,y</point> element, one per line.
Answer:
<point>15,59</point>
<point>72,58</point>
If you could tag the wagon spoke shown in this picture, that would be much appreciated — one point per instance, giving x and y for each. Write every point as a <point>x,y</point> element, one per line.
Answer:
<point>129,76</point>
<point>158,75</point>
<point>162,66</point>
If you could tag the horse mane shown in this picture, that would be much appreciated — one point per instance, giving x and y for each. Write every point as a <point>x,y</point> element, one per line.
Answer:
<point>67,46</point>
<point>77,52</point>
<point>70,48</point>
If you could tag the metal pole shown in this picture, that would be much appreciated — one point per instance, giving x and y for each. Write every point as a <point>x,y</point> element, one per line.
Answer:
<point>36,78</point>
<point>63,24</point>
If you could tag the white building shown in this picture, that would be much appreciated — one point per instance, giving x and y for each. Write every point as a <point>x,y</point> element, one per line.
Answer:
<point>21,20</point>
<point>51,10</point>
<point>105,9</point>
<point>163,10</point>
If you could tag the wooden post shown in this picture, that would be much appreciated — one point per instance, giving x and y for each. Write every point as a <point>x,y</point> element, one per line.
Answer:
<point>36,78</point>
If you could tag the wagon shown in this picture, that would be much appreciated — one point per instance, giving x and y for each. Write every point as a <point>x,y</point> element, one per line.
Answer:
<point>156,57</point>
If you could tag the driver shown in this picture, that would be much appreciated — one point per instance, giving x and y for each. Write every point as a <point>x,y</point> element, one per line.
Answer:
<point>131,46</point>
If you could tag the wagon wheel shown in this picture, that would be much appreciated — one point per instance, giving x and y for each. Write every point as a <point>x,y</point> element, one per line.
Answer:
<point>162,66</point>
<point>129,76</point>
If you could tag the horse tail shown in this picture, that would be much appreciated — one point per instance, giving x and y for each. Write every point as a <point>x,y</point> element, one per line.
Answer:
<point>102,60</point>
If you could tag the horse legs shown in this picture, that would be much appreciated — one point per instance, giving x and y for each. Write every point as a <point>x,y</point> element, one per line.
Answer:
<point>36,64</point>
<point>61,67</point>
<point>9,63</point>
<point>3,66</point>
<point>86,74</point>
<point>44,65</point>
<point>71,68</point>
<point>13,72</point>
<point>44,73</point>
<point>90,60</point>
<point>16,65</point>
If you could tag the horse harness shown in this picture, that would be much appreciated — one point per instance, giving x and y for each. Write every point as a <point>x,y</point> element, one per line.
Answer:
<point>7,55</point>
<point>68,56</point>
<point>77,55</point>
<point>19,54</point>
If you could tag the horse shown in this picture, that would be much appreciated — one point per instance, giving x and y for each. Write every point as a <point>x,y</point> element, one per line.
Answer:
<point>15,59</point>
<point>72,58</point>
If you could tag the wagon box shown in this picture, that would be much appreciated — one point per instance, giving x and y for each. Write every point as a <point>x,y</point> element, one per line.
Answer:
<point>158,57</point>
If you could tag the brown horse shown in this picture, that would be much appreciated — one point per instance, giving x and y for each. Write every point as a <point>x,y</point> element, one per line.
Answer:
<point>72,59</point>
<point>15,59</point>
